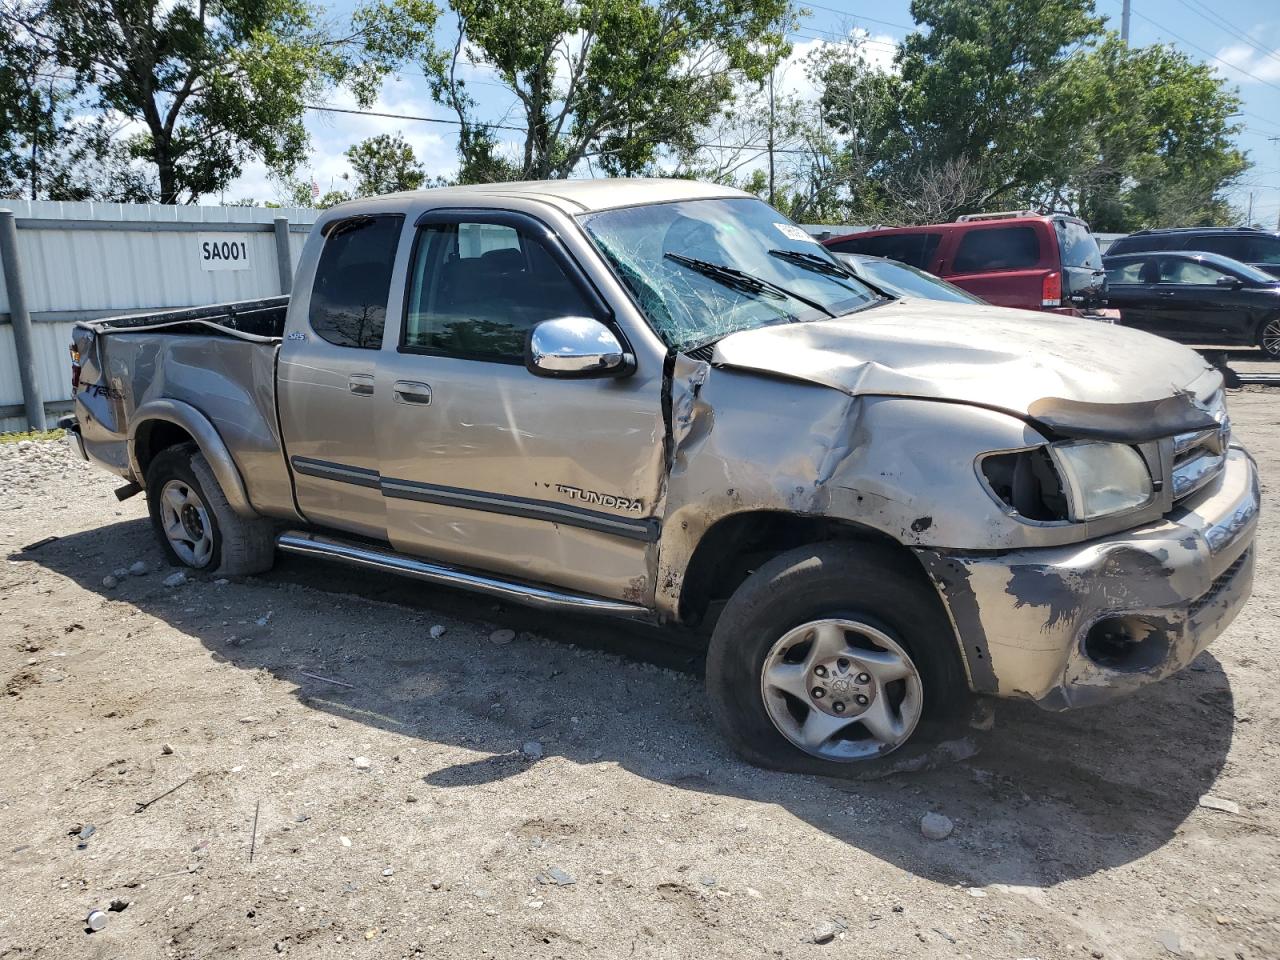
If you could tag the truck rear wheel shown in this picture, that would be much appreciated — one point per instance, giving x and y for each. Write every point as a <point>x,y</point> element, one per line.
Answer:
<point>830,655</point>
<point>194,522</point>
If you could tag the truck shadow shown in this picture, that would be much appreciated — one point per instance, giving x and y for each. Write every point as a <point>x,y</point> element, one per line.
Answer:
<point>1046,798</point>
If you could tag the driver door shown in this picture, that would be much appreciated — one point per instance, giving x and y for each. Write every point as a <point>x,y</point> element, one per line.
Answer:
<point>486,465</point>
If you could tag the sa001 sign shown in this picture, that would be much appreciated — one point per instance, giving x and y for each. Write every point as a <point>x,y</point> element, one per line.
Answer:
<point>221,251</point>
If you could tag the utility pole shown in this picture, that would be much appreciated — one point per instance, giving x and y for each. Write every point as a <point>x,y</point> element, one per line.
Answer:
<point>1276,141</point>
<point>771,72</point>
<point>1124,20</point>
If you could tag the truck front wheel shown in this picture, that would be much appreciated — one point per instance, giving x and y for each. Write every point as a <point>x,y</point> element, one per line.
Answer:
<point>194,522</point>
<point>832,654</point>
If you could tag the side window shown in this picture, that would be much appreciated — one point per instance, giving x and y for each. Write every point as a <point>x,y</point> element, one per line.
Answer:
<point>999,248</point>
<point>916,249</point>
<point>1125,272</point>
<point>1235,247</point>
<point>1264,250</point>
<point>477,289</point>
<point>1188,272</point>
<point>353,278</point>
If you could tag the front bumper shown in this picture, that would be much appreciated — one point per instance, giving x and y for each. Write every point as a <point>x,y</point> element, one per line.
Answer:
<point>1076,625</point>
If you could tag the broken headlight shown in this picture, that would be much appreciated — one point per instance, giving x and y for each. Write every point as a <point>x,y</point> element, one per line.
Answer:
<point>1102,478</point>
<point>1072,481</point>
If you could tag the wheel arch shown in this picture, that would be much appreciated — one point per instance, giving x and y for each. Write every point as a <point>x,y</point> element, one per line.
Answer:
<point>160,424</point>
<point>735,544</point>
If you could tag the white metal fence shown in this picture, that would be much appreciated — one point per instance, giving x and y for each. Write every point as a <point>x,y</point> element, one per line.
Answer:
<point>81,261</point>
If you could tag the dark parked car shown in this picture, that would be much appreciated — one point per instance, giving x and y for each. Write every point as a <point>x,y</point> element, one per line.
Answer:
<point>1198,298</point>
<point>903,280</point>
<point>1016,259</point>
<point>1258,248</point>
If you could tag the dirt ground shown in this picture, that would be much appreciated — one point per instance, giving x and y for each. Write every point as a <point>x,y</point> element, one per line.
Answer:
<point>322,778</point>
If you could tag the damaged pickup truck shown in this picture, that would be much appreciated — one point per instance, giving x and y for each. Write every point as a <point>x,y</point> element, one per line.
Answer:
<point>663,400</point>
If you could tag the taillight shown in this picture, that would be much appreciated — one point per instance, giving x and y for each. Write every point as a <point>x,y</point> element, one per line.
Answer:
<point>75,369</point>
<point>1051,295</point>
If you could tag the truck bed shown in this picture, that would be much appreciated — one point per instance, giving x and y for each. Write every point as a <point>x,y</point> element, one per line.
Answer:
<point>257,319</point>
<point>159,373</point>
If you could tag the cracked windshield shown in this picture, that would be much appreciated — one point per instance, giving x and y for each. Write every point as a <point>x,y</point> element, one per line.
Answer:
<point>702,269</point>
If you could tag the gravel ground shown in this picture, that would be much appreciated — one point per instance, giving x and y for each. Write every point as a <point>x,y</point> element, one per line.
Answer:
<point>292,764</point>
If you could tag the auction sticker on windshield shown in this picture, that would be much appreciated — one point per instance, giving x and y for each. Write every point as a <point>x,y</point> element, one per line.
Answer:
<point>792,232</point>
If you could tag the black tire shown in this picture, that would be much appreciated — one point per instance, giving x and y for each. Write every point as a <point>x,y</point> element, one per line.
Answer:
<point>240,545</point>
<point>869,583</point>
<point>1268,338</point>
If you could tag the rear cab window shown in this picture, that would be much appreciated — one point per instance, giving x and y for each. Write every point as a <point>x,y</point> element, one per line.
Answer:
<point>993,249</point>
<point>916,249</point>
<point>348,305</point>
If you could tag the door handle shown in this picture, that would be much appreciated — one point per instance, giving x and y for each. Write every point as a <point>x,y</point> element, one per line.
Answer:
<point>1164,293</point>
<point>411,391</point>
<point>361,384</point>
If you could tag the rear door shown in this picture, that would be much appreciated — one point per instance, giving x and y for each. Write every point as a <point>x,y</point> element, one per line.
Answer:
<point>1191,307</point>
<point>1001,263</point>
<point>328,377</point>
<point>485,464</point>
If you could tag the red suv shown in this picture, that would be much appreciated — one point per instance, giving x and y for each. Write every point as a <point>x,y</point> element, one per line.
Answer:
<point>1018,259</point>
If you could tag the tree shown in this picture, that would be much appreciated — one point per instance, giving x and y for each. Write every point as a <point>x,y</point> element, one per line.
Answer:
<point>1156,149</point>
<point>215,83</point>
<point>603,82</point>
<point>384,164</point>
<point>1031,103</point>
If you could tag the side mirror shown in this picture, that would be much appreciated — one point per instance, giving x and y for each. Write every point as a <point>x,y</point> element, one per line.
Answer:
<point>576,347</point>
<point>1230,282</point>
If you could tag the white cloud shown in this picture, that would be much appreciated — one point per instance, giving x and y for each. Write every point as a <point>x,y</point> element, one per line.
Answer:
<point>793,78</point>
<point>332,133</point>
<point>1246,59</point>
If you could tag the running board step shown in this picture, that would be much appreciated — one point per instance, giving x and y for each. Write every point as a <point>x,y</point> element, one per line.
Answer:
<point>372,558</point>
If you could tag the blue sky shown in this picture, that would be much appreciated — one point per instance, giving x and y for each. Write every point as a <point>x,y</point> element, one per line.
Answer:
<point>1212,31</point>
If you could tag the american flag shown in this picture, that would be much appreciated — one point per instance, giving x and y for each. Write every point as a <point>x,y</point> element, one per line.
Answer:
<point>315,190</point>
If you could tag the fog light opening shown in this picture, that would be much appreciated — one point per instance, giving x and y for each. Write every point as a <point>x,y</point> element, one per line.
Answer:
<point>1127,643</point>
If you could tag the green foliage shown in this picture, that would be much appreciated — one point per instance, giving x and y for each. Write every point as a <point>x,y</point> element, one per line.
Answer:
<point>603,82</point>
<point>384,164</point>
<point>213,84</point>
<point>1030,103</point>
<point>32,435</point>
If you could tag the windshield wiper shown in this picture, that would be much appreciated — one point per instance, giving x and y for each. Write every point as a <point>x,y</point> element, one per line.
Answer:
<point>739,280</point>
<point>813,261</point>
<point>820,264</point>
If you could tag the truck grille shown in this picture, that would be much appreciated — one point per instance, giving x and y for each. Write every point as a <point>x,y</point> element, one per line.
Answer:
<point>1200,455</point>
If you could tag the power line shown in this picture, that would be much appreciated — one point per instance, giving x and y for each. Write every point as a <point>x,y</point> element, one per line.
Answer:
<point>1211,56</point>
<point>1227,26</point>
<point>407,116</point>
<point>499,126</point>
<point>859,16</point>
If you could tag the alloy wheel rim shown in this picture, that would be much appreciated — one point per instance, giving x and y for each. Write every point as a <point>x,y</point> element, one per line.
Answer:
<point>1271,338</point>
<point>186,525</point>
<point>841,690</point>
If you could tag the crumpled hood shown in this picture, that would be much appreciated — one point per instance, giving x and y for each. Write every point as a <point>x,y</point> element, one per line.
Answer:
<point>1078,377</point>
